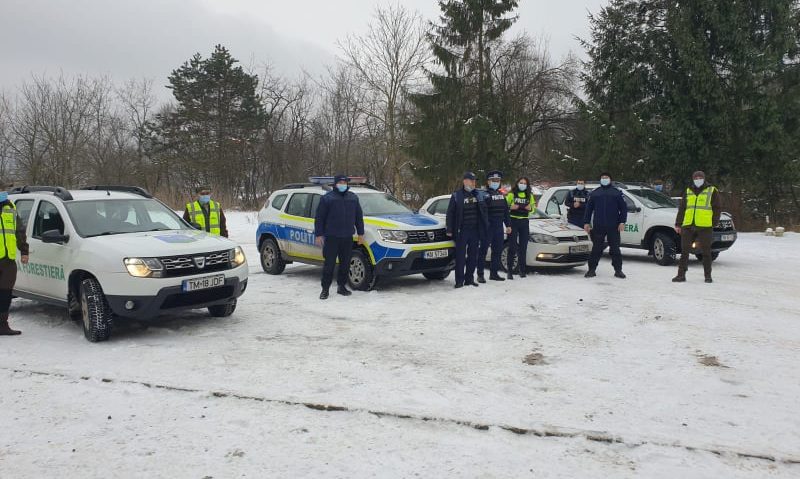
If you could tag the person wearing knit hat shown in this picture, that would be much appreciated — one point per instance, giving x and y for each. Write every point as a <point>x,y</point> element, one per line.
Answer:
<point>606,214</point>
<point>12,239</point>
<point>698,212</point>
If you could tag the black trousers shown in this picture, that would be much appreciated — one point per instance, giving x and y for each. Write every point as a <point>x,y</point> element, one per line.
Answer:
<point>601,235</point>
<point>333,248</point>
<point>518,243</point>
<point>467,255</point>
<point>704,237</point>
<point>8,277</point>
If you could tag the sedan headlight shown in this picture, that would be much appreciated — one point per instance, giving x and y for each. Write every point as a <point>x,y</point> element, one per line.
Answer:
<point>543,238</point>
<point>237,257</point>
<point>144,267</point>
<point>394,236</point>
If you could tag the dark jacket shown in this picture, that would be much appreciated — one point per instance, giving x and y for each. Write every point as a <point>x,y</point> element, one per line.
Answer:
<point>455,212</point>
<point>716,205</point>
<point>580,212</point>
<point>22,238</point>
<point>339,215</point>
<point>497,206</point>
<point>223,223</point>
<point>607,206</point>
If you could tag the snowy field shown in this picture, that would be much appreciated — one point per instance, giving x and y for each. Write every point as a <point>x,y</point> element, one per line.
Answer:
<point>551,376</point>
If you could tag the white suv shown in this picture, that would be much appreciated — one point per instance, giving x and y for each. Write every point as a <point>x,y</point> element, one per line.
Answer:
<point>398,241</point>
<point>651,220</point>
<point>116,252</point>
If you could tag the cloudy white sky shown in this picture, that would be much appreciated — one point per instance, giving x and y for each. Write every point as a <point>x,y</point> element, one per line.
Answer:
<point>149,38</point>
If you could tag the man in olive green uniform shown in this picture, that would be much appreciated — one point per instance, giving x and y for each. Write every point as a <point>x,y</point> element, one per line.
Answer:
<point>206,214</point>
<point>699,211</point>
<point>12,238</point>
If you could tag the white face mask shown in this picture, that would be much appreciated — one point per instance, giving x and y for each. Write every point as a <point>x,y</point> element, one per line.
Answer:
<point>580,187</point>
<point>605,181</point>
<point>699,182</point>
<point>522,186</point>
<point>494,185</point>
<point>468,189</point>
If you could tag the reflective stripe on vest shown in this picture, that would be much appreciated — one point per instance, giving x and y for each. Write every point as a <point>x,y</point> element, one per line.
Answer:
<point>522,199</point>
<point>698,208</point>
<point>8,239</point>
<point>197,217</point>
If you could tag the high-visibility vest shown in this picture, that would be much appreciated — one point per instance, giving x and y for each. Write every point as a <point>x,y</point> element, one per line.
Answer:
<point>197,217</point>
<point>8,239</point>
<point>698,208</point>
<point>523,199</point>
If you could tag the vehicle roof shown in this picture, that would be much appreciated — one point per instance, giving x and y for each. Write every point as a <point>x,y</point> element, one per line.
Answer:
<point>82,195</point>
<point>323,189</point>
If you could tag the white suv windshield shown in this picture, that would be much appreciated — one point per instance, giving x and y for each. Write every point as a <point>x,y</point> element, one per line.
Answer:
<point>379,204</point>
<point>110,217</point>
<point>653,199</point>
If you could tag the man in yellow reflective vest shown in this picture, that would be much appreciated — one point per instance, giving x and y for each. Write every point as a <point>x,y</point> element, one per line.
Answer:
<point>699,211</point>
<point>12,238</point>
<point>206,214</point>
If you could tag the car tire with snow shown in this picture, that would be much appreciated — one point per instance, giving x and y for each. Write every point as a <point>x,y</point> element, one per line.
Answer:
<point>222,310</point>
<point>362,273</point>
<point>664,249</point>
<point>271,260</point>
<point>98,319</point>
<point>437,276</point>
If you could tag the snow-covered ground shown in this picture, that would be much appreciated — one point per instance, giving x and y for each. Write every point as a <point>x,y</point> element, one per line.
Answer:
<point>551,376</point>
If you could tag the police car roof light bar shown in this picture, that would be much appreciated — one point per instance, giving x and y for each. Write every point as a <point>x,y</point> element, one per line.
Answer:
<point>58,191</point>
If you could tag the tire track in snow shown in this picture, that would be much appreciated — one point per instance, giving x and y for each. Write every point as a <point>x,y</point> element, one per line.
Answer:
<point>541,432</point>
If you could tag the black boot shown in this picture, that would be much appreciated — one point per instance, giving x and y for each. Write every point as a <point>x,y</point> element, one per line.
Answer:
<point>496,277</point>
<point>679,279</point>
<point>5,329</point>
<point>619,274</point>
<point>481,279</point>
<point>709,280</point>
<point>324,294</point>
<point>511,274</point>
<point>459,285</point>
<point>343,291</point>
<point>590,274</point>
<point>522,272</point>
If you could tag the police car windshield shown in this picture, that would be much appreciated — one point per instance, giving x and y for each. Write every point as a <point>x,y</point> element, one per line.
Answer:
<point>111,217</point>
<point>653,199</point>
<point>380,204</point>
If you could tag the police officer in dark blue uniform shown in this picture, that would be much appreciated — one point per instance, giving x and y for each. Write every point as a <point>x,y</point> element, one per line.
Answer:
<point>499,223</point>
<point>338,216</point>
<point>576,204</point>
<point>466,222</point>
<point>606,214</point>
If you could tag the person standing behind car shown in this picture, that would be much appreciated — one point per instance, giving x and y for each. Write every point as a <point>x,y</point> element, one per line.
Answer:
<point>699,211</point>
<point>499,216</point>
<point>206,214</point>
<point>576,204</point>
<point>12,238</point>
<point>606,214</point>
<point>338,216</point>
<point>466,221</point>
<point>521,202</point>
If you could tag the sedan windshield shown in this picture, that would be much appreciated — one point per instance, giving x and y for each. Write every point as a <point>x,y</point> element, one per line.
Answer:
<point>381,204</point>
<point>110,217</point>
<point>653,199</point>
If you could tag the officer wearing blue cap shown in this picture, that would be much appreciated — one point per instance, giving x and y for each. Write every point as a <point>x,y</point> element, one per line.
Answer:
<point>338,216</point>
<point>499,216</point>
<point>466,222</point>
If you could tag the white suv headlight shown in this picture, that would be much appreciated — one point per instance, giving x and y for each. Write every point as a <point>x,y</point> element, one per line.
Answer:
<point>394,236</point>
<point>543,238</point>
<point>144,267</point>
<point>237,257</point>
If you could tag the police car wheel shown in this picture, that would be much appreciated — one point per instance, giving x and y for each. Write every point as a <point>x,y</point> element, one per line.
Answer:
<point>98,319</point>
<point>362,274</point>
<point>222,310</point>
<point>271,260</point>
<point>664,249</point>
<point>504,260</point>
<point>437,275</point>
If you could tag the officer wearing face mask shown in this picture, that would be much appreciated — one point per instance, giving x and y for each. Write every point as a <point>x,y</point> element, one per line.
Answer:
<point>576,204</point>
<point>339,215</point>
<point>12,241</point>
<point>699,211</point>
<point>467,221</point>
<point>206,214</point>
<point>658,185</point>
<point>606,214</point>
<point>499,223</point>
<point>521,201</point>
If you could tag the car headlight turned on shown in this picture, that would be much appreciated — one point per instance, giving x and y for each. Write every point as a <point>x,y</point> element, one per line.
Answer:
<point>542,238</point>
<point>237,257</point>
<point>144,267</point>
<point>394,236</point>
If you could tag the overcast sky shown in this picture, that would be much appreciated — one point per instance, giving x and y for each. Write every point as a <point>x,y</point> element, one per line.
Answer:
<point>149,38</point>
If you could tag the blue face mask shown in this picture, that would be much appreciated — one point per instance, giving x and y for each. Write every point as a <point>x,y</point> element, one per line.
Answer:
<point>494,185</point>
<point>341,188</point>
<point>3,196</point>
<point>605,181</point>
<point>522,186</point>
<point>205,199</point>
<point>659,187</point>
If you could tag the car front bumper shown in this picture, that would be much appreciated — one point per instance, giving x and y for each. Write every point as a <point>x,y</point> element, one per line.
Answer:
<point>415,263</point>
<point>558,255</point>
